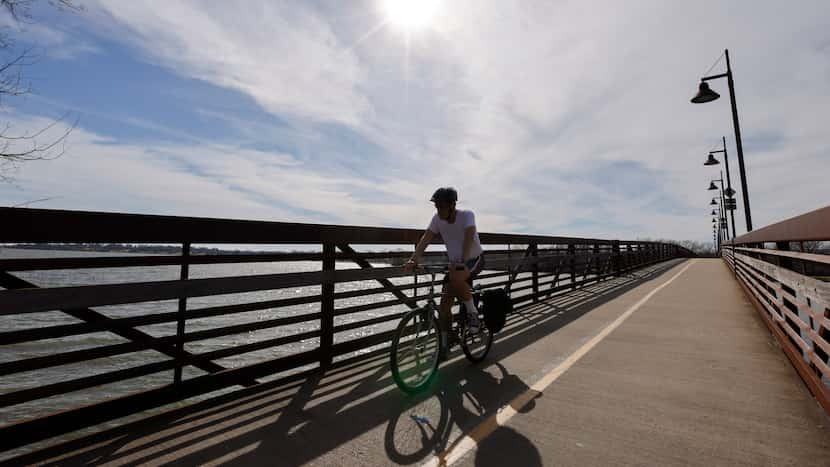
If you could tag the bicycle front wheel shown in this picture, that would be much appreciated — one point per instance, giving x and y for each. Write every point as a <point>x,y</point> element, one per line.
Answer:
<point>415,350</point>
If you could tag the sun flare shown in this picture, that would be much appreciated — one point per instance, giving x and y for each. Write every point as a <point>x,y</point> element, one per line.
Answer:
<point>410,14</point>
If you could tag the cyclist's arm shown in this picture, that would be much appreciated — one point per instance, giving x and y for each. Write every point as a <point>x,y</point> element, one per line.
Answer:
<point>469,234</point>
<point>425,240</point>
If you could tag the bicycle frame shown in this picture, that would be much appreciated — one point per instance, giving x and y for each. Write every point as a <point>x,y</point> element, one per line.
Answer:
<point>433,270</point>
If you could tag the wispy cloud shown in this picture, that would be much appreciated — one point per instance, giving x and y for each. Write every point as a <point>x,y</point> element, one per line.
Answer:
<point>287,58</point>
<point>46,40</point>
<point>568,118</point>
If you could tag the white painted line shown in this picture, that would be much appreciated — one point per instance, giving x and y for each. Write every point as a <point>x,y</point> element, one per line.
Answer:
<point>462,446</point>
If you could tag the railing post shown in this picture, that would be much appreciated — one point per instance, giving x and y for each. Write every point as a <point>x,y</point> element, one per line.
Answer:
<point>534,253</point>
<point>572,264</point>
<point>180,324</point>
<point>415,275</point>
<point>327,308</point>
<point>597,263</point>
<point>615,258</point>
<point>783,262</point>
<point>509,269</point>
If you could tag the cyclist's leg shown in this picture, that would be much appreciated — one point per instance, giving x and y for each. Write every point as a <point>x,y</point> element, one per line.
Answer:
<point>447,298</point>
<point>445,316</point>
<point>458,282</point>
<point>462,281</point>
<point>459,285</point>
<point>462,284</point>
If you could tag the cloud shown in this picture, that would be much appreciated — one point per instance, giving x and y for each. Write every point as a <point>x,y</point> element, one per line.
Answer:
<point>96,173</point>
<point>288,59</point>
<point>48,41</point>
<point>567,118</point>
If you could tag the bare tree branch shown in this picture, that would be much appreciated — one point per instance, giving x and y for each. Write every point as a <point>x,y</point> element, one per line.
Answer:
<point>20,10</point>
<point>16,149</point>
<point>33,150</point>
<point>814,246</point>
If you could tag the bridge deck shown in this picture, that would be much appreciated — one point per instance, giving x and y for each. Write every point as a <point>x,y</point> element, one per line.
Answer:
<point>690,376</point>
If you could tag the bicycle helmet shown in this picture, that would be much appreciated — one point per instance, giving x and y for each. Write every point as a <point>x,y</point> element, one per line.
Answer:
<point>444,195</point>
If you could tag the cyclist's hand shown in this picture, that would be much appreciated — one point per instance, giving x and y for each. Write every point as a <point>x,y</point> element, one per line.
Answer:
<point>409,265</point>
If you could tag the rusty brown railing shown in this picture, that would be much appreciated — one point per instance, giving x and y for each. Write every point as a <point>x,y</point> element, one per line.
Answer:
<point>785,269</point>
<point>542,266</point>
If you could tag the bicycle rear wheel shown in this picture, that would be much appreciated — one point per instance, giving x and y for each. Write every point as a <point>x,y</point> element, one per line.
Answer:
<point>415,350</point>
<point>476,346</point>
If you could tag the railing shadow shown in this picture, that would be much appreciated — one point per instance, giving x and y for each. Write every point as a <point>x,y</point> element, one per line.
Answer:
<point>297,419</point>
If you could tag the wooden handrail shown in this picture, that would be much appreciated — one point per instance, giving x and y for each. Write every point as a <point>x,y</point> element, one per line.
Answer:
<point>792,303</point>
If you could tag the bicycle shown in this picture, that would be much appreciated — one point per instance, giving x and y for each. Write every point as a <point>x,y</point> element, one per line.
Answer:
<point>417,344</point>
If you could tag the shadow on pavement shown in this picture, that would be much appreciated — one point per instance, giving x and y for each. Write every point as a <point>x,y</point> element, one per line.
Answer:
<point>437,420</point>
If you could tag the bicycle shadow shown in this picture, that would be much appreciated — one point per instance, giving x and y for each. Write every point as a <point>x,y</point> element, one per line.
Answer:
<point>424,425</point>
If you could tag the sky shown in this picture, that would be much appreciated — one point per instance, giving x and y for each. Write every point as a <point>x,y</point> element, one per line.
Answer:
<point>567,118</point>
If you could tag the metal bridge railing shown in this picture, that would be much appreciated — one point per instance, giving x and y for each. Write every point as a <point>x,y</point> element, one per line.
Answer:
<point>785,269</point>
<point>325,318</point>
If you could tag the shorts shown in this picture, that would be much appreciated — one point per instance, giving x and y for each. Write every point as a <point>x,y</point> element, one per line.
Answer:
<point>475,265</point>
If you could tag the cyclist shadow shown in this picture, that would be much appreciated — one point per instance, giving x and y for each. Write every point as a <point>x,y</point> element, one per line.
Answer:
<point>463,398</point>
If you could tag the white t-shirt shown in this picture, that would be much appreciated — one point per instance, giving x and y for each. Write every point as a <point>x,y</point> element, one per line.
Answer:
<point>453,234</point>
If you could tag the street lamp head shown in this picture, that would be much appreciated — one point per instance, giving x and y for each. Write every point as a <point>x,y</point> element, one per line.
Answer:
<point>713,203</point>
<point>714,221</point>
<point>704,94</point>
<point>714,213</point>
<point>711,160</point>
<point>712,186</point>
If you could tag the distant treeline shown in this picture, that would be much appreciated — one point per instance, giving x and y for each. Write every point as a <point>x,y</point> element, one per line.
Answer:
<point>128,248</point>
<point>162,250</point>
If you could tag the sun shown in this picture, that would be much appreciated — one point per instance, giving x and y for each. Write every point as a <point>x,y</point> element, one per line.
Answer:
<point>410,14</point>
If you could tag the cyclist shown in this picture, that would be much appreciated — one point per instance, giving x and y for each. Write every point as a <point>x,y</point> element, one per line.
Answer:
<point>458,230</point>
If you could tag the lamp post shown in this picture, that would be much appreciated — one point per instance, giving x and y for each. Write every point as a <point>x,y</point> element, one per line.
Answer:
<point>719,218</point>
<point>729,192</point>
<point>723,224</point>
<point>706,94</point>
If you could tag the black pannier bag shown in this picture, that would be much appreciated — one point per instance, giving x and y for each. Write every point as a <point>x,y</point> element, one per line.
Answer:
<point>497,305</point>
